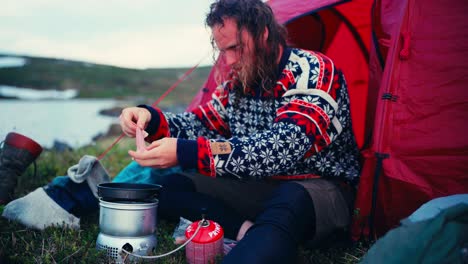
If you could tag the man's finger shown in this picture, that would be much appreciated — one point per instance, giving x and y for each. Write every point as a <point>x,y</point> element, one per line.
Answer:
<point>154,144</point>
<point>141,123</point>
<point>139,155</point>
<point>147,163</point>
<point>142,118</point>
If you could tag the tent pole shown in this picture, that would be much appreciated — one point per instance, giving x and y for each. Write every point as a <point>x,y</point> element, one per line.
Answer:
<point>378,169</point>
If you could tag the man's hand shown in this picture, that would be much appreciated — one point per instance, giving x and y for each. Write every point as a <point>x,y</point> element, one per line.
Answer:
<point>132,117</point>
<point>161,154</point>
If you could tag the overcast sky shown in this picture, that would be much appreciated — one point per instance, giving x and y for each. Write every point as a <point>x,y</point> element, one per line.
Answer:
<point>127,33</point>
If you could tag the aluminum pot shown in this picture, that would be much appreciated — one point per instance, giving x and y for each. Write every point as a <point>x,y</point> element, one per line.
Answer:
<point>127,218</point>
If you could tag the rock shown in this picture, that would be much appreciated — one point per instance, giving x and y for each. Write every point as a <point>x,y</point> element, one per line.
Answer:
<point>113,131</point>
<point>113,112</point>
<point>60,146</point>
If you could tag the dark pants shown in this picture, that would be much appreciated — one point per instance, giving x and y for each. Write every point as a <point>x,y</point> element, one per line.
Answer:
<point>286,220</point>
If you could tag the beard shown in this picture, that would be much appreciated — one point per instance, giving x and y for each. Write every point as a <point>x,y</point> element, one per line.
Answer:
<point>256,73</point>
<point>247,75</point>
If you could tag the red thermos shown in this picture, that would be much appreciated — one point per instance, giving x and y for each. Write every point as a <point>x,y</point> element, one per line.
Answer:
<point>207,243</point>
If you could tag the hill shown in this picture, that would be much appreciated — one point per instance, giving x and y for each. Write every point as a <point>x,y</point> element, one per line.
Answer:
<point>104,81</point>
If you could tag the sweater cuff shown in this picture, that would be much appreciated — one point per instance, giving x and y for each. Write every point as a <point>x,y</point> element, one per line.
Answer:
<point>187,153</point>
<point>157,127</point>
<point>154,122</point>
<point>206,165</point>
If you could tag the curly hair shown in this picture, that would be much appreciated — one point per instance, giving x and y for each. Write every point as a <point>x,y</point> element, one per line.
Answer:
<point>254,16</point>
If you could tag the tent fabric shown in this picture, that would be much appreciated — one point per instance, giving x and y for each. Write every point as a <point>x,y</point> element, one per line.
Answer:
<point>419,150</point>
<point>287,11</point>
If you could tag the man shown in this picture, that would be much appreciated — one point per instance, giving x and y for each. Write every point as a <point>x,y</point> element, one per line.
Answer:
<point>280,114</point>
<point>270,151</point>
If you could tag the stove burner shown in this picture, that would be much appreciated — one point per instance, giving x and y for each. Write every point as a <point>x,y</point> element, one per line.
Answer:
<point>127,219</point>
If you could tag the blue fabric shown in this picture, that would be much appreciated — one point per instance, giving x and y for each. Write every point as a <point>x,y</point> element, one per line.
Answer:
<point>432,208</point>
<point>135,173</point>
<point>441,239</point>
<point>75,198</point>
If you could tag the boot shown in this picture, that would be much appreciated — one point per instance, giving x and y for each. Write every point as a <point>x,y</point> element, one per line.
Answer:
<point>17,153</point>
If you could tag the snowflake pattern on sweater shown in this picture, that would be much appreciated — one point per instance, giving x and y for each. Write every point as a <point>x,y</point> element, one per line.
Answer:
<point>303,131</point>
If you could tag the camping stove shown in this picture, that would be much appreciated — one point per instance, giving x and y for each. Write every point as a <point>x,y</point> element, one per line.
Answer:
<point>128,225</point>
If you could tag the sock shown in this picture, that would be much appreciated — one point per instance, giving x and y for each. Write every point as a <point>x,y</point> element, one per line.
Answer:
<point>37,210</point>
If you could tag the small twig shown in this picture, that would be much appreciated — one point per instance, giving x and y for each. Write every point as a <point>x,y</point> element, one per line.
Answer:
<point>42,252</point>
<point>17,231</point>
<point>62,245</point>
<point>361,250</point>
<point>13,239</point>
<point>71,254</point>
<point>354,257</point>
<point>26,242</point>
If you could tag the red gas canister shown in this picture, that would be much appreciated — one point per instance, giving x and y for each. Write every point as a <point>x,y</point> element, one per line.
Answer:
<point>207,243</point>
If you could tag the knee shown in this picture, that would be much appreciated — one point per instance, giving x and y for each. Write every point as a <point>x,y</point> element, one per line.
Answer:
<point>290,209</point>
<point>293,196</point>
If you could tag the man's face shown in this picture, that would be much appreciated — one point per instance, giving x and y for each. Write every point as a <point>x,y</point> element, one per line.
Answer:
<point>239,55</point>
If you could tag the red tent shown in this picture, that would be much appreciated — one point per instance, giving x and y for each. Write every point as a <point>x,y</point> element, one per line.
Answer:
<point>419,72</point>
<point>408,101</point>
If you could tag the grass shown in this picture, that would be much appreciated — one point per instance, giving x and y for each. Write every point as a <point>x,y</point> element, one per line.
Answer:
<point>19,244</point>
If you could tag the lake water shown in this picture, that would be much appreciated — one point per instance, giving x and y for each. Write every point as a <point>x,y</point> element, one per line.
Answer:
<point>74,122</point>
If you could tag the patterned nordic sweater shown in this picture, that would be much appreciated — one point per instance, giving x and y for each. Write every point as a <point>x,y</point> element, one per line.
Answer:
<point>303,131</point>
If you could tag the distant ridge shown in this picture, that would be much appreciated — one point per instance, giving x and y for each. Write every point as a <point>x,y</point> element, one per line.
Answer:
<point>103,81</point>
